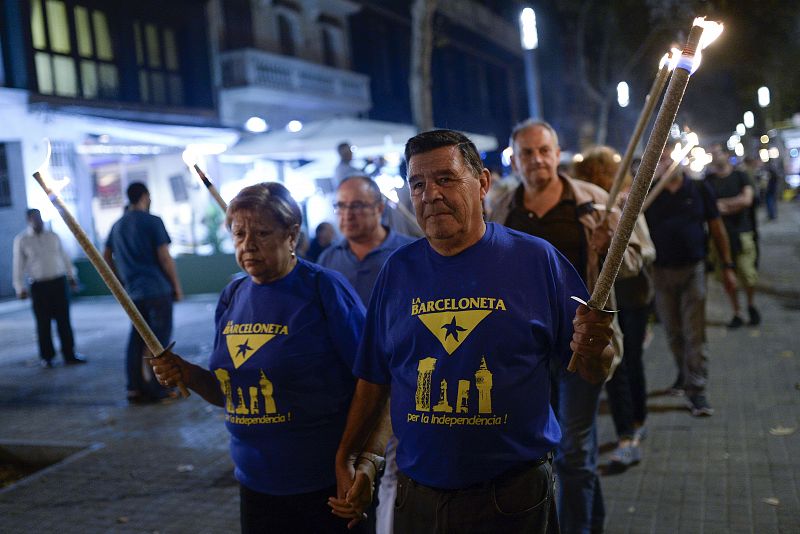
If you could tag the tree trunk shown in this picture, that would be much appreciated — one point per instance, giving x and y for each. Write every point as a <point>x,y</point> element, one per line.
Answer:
<point>422,12</point>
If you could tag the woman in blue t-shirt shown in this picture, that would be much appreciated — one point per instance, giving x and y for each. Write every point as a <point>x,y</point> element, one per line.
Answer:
<point>285,341</point>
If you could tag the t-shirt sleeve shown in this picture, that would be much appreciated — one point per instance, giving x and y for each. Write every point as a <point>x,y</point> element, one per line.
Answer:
<point>567,283</point>
<point>160,234</point>
<point>374,351</point>
<point>222,305</point>
<point>344,314</point>
<point>709,201</point>
<point>110,238</point>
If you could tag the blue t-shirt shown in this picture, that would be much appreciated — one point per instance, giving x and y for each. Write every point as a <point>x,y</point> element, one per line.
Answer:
<point>283,355</point>
<point>362,274</point>
<point>134,241</point>
<point>465,342</point>
<point>677,223</point>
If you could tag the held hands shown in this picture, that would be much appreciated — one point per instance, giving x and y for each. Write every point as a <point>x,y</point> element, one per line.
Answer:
<point>591,342</point>
<point>355,480</point>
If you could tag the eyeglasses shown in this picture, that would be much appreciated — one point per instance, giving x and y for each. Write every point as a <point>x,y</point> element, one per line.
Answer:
<point>355,207</point>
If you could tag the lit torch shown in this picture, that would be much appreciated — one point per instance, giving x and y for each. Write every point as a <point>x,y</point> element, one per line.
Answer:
<point>189,159</point>
<point>51,189</point>
<point>665,67</point>
<point>701,35</point>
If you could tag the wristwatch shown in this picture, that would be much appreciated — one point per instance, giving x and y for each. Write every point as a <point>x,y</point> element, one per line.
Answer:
<point>378,461</point>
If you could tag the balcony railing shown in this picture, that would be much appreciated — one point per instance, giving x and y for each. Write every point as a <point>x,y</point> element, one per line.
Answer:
<point>256,68</point>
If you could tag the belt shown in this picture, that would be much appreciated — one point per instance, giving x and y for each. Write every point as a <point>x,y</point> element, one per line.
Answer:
<point>486,484</point>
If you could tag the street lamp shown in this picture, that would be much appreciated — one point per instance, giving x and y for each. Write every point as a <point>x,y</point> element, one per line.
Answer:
<point>530,42</point>
<point>623,94</point>
<point>749,119</point>
<point>763,96</point>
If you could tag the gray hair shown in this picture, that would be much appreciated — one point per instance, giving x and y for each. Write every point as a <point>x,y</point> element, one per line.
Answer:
<point>527,124</point>
<point>267,198</point>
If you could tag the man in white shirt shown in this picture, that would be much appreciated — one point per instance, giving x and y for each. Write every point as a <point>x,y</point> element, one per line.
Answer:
<point>40,258</point>
<point>345,167</point>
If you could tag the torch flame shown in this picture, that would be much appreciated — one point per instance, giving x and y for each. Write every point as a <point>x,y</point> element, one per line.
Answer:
<point>674,56</point>
<point>55,186</point>
<point>675,155</point>
<point>711,30</point>
<point>190,157</point>
<point>664,59</point>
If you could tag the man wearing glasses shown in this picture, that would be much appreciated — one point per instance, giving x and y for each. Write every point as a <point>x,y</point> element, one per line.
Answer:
<point>366,243</point>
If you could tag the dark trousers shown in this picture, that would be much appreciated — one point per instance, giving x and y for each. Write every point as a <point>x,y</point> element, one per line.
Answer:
<point>627,394</point>
<point>305,513</point>
<point>633,323</point>
<point>519,501</point>
<point>157,313</point>
<point>51,302</point>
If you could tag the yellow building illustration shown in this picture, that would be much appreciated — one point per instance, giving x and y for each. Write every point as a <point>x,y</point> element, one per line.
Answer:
<point>462,400</point>
<point>241,409</point>
<point>483,381</point>
<point>443,405</point>
<point>253,400</point>
<point>424,373</point>
<point>225,385</point>
<point>267,390</point>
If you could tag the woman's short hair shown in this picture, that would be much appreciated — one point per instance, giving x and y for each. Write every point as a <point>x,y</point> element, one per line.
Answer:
<point>598,166</point>
<point>268,198</point>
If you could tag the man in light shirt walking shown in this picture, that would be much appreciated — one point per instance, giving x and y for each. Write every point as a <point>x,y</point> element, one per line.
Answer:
<point>40,258</point>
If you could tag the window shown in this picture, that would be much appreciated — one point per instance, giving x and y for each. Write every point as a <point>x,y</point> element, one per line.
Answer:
<point>328,48</point>
<point>158,61</point>
<point>286,35</point>
<point>73,51</point>
<point>5,181</point>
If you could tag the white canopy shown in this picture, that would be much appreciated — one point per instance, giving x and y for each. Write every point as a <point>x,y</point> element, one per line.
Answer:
<point>318,140</point>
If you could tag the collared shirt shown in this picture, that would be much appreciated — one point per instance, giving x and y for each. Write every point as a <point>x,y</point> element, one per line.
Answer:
<point>559,226</point>
<point>362,274</point>
<point>40,257</point>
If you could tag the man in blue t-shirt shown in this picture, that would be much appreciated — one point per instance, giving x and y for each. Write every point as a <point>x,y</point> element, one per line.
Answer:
<point>677,219</point>
<point>137,250</point>
<point>461,328</point>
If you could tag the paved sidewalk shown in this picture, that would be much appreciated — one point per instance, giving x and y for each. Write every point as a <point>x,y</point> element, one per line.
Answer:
<point>166,469</point>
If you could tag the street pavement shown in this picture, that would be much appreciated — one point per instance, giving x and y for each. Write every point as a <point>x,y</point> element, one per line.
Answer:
<point>165,468</point>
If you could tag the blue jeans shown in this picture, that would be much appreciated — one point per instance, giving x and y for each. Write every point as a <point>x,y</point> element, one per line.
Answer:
<point>157,313</point>
<point>580,499</point>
